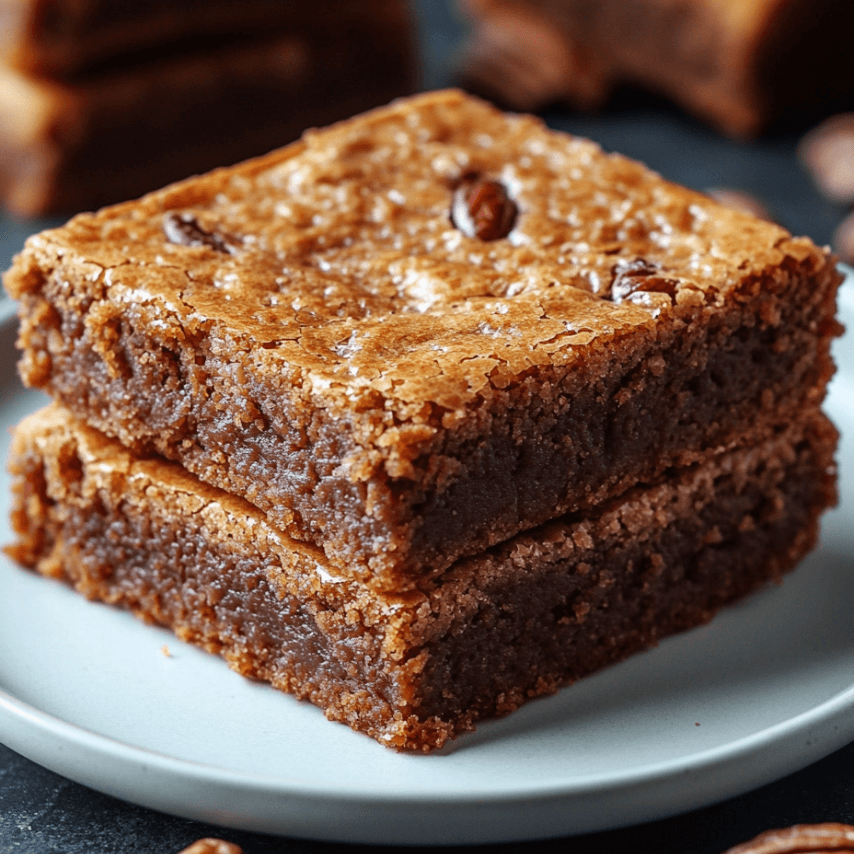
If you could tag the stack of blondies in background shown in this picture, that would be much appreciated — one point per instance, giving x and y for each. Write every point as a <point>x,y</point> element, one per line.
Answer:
<point>101,101</point>
<point>429,413</point>
<point>740,65</point>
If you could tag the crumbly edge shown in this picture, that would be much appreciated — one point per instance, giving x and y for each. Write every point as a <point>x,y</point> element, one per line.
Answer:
<point>552,440</point>
<point>413,670</point>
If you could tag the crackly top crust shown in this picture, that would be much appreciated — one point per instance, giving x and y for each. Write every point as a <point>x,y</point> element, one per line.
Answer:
<point>338,258</point>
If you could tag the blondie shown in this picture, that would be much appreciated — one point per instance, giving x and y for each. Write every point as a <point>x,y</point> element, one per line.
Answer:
<point>410,336</point>
<point>741,65</point>
<point>62,38</point>
<point>187,101</point>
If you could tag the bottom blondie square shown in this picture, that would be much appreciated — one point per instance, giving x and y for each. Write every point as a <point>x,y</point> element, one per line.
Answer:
<point>414,669</point>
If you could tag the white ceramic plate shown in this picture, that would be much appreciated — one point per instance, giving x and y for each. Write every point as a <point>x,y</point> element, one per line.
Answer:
<point>764,690</point>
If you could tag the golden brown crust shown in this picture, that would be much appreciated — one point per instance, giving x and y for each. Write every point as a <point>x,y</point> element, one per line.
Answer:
<point>354,222</point>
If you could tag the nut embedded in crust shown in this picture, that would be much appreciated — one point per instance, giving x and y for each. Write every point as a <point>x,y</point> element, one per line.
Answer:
<point>483,209</point>
<point>183,229</point>
<point>637,280</point>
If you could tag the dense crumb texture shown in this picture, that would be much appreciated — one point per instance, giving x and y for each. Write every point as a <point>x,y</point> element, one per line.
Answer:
<point>323,332</point>
<point>415,668</point>
<point>741,65</point>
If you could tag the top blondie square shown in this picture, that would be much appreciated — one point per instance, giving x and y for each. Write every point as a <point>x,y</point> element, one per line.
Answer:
<point>323,332</point>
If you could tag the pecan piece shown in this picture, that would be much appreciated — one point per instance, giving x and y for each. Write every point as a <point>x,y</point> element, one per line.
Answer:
<point>184,229</point>
<point>801,839</point>
<point>483,209</point>
<point>639,277</point>
<point>843,239</point>
<point>209,845</point>
<point>828,153</point>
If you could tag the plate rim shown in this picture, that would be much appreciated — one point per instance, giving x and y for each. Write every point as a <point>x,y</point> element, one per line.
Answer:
<point>510,812</point>
<point>841,703</point>
<point>283,806</point>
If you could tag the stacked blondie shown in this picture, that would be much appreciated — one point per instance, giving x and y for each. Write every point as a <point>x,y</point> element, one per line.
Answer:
<point>740,65</point>
<point>424,415</point>
<point>102,100</point>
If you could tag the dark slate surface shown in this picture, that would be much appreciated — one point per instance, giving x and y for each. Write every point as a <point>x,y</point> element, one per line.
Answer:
<point>41,812</point>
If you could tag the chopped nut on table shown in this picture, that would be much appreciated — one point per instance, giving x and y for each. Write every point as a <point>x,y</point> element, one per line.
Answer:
<point>828,154</point>
<point>827,151</point>
<point>843,239</point>
<point>209,845</point>
<point>801,839</point>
